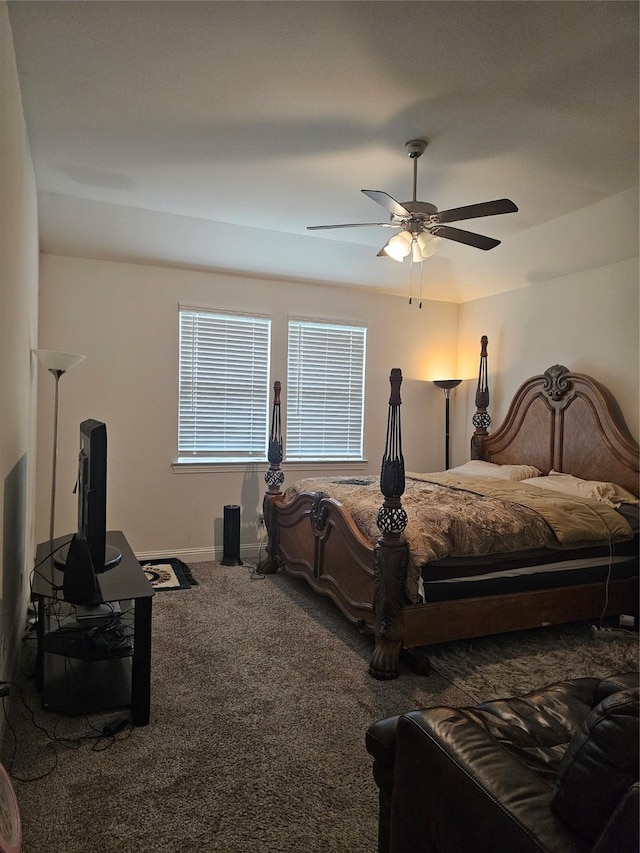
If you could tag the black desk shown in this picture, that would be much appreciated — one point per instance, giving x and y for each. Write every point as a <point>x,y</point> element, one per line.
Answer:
<point>108,682</point>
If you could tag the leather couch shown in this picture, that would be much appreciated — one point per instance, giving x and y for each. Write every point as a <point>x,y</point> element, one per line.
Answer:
<point>553,770</point>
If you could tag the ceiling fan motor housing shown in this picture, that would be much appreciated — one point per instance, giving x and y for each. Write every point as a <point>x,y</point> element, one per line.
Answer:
<point>415,147</point>
<point>420,210</point>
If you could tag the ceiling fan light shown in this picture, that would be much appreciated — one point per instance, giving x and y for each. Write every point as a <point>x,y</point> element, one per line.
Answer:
<point>416,255</point>
<point>399,246</point>
<point>428,244</point>
<point>395,251</point>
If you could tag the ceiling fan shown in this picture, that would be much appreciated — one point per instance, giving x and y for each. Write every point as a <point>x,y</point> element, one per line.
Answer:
<point>422,224</point>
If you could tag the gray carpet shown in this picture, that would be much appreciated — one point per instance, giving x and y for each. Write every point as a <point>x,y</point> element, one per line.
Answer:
<point>512,664</point>
<point>260,704</point>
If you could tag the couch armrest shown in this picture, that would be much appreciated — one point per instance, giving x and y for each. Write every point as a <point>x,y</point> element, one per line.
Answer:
<point>381,744</point>
<point>457,789</point>
<point>621,831</point>
<point>614,683</point>
<point>381,741</point>
<point>600,766</point>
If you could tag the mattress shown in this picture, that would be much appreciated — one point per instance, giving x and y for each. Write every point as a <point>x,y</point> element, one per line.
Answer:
<point>449,516</point>
<point>496,574</point>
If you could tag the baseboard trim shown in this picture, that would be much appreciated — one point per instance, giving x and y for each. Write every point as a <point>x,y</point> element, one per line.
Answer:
<point>248,553</point>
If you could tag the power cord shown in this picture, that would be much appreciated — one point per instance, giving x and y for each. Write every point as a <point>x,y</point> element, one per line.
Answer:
<point>254,571</point>
<point>35,571</point>
<point>601,631</point>
<point>102,739</point>
<point>114,728</point>
<point>114,640</point>
<point>9,764</point>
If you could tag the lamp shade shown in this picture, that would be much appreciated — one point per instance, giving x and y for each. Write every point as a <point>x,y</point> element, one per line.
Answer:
<point>56,360</point>
<point>399,246</point>
<point>447,384</point>
<point>428,244</point>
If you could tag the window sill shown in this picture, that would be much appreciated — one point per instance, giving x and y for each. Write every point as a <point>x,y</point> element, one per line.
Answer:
<point>210,466</point>
<point>185,465</point>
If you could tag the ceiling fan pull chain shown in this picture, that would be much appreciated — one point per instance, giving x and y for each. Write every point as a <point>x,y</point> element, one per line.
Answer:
<point>421,271</point>
<point>411,281</point>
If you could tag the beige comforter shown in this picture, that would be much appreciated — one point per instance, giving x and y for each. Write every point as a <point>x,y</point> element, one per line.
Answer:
<point>464,516</point>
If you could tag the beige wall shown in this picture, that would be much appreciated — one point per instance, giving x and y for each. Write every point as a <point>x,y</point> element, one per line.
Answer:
<point>587,321</point>
<point>18,328</point>
<point>124,318</point>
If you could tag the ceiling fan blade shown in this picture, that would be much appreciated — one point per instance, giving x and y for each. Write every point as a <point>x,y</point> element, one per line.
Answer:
<point>468,237</point>
<point>354,225</point>
<point>471,211</point>
<point>387,202</point>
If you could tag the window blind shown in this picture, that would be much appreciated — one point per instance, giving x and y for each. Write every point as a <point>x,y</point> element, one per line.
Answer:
<point>325,391</point>
<point>224,379</point>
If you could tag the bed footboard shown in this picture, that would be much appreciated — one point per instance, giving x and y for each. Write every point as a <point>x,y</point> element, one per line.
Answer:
<point>314,537</point>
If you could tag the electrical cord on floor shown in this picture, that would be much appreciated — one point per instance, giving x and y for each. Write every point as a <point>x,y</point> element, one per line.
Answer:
<point>9,764</point>
<point>254,571</point>
<point>102,739</point>
<point>107,737</point>
<point>256,574</point>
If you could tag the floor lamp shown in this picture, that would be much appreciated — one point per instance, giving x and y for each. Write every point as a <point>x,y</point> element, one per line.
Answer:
<point>57,363</point>
<point>446,385</point>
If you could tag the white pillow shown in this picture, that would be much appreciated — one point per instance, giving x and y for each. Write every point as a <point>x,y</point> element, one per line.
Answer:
<point>596,490</point>
<point>478,468</point>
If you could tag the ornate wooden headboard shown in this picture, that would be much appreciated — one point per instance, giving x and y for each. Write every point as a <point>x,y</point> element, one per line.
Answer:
<point>566,422</point>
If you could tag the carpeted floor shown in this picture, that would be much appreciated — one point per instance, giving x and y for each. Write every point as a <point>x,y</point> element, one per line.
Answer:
<point>260,704</point>
<point>511,664</point>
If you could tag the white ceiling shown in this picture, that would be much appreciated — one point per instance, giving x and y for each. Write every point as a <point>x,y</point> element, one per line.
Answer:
<point>210,134</point>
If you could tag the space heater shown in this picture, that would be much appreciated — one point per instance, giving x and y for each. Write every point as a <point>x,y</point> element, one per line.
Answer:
<point>231,541</point>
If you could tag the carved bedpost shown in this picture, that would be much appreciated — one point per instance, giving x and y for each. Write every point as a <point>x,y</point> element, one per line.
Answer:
<point>481,419</point>
<point>390,552</point>
<point>274,478</point>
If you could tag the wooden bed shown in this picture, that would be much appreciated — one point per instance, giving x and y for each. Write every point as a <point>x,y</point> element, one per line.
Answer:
<point>558,420</point>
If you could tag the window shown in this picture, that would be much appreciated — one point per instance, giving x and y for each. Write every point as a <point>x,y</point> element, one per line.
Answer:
<point>325,391</point>
<point>224,385</point>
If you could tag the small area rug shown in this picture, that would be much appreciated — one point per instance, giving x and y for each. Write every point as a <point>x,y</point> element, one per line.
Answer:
<point>512,664</point>
<point>168,573</point>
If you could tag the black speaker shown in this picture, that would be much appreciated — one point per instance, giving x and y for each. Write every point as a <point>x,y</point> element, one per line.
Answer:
<point>80,584</point>
<point>231,543</point>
